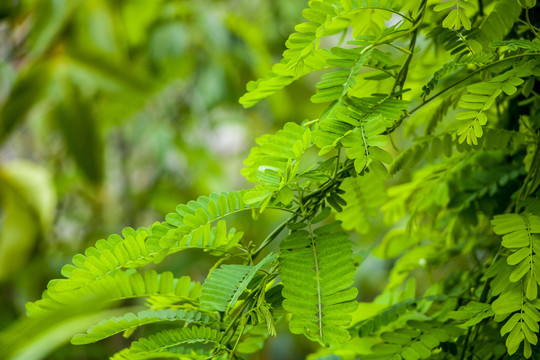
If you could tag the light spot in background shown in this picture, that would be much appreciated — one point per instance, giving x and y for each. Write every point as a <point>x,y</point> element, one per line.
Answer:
<point>393,20</point>
<point>227,139</point>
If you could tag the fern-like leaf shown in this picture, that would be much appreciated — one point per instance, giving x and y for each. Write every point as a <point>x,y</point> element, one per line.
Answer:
<point>189,227</point>
<point>191,224</point>
<point>129,321</point>
<point>303,54</point>
<point>158,345</point>
<point>120,286</point>
<point>224,286</point>
<point>533,46</point>
<point>363,195</point>
<point>191,352</point>
<point>416,341</point>
<point>391,314</point>
<point>282,76</point>
<point>522,326</point>
<point>518,298</point>
<point>358,124</point>
<point>457,16</point>
<point>317,273</point>
<point>471,313</point>
<point>275,151</point>
<point>339,121</point>
<point>336,84</point>
<point>274,163</point>
<point>105,258</point>
<point>481,97</point>
<point>498,22</point>
<point>521,234</point>
<point>459,44</point>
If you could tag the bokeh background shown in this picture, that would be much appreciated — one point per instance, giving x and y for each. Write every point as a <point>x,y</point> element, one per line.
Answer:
<point>114,112</point>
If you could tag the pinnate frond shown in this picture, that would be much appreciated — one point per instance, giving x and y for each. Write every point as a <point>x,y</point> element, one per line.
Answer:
<point>363,195</point>
<point>481,97</point>
<point>457,16</point>
<point>317,273</point>
<point>517,280</point>
<point>163,343</point>
<point>120,286</point>
<point>129,321</point>
<point>416,341</point>
<point>303,54</point>
<point>225,285</point>
<point>274,164</point>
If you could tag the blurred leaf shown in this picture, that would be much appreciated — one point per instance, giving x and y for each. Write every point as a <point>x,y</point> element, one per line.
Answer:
<point>169,40</point>
<point>35,338</point>
<point>27,196</point>
<point>26,92</point>
<point>95,30</point>
<point>137,16</point>
<point>35,184</point>
<point>52,17</point>
<point>17,234</point>
<point>88,69</point>
<point>80,132</point>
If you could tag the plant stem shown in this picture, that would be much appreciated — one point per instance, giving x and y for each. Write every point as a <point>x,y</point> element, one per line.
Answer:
<point>272,236</point>
<point>530,25</point>
<point>477,71</point>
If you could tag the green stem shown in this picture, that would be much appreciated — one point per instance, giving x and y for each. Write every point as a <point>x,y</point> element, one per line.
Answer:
<point>530,25</point>
<point>238,314</point>
<point>274,234</point>
<point>389,10</point>
<point>337,164</point>
<point>479,70</point>
<point>244,324</point>
<point>406,51</point>
<point>402,75</point>
<point>475,72</point>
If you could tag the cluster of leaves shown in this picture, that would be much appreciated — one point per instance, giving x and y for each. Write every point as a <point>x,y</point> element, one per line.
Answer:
<point>471,178</point>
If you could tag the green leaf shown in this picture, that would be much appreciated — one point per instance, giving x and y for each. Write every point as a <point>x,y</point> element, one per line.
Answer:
<point>518,256</point>
<point>221,285</point>
<point>115,325</point>
<point>363,196</point>
<point>317,297</point>
<point>225,285</point>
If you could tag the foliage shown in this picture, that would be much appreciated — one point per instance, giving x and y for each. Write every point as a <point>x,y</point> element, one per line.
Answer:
<point>460,214</point>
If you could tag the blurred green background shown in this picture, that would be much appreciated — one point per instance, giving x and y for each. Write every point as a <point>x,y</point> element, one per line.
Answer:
<point>114,112</point>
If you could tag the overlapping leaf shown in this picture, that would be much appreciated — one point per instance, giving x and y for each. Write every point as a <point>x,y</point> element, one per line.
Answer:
<point>416,341</point>
<point>457,16</point>
<point>129,321</point>
<point>225,285</point>
<point>274,163</point>
<point>122,285</point>
<point>303,54</point>
<point>161,344</point>
<point>363,195</point>
<point>481,97</point>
